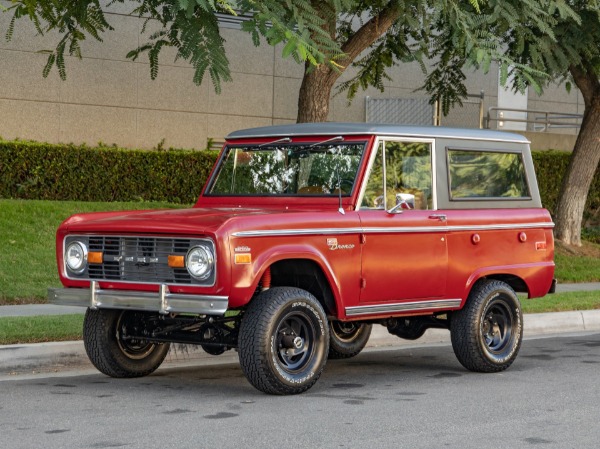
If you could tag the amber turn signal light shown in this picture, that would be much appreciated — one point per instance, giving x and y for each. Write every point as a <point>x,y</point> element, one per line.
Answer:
<point>243,258</point>
<point>177,261</point>
<point>95,257</point>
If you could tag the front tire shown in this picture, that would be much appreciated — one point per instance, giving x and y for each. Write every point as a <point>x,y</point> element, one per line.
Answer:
<point>111,352</point>
<point>487,333</point>
<point>347,339</point>
<point>283,341</point>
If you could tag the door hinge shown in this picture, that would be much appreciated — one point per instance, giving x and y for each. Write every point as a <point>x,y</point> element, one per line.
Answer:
<point>363,239</point>
<point>363,282</point>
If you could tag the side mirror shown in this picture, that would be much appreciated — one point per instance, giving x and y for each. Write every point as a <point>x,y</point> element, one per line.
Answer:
<point>404,201</point>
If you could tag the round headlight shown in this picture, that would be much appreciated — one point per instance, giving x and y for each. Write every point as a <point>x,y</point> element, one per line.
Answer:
<point>199,262</point>
<point>76,257</point>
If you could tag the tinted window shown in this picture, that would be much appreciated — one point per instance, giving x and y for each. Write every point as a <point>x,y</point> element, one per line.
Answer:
<point>486,174</point>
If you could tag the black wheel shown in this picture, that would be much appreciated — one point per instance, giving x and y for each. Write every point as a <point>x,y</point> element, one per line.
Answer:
<point>105,337</point>
<point>283,341</point>
<point>487,333</point>
<point>347,339</point>
<point>407,328</point>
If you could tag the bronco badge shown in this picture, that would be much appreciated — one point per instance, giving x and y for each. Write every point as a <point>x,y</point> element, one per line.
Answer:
<point>333,245</point>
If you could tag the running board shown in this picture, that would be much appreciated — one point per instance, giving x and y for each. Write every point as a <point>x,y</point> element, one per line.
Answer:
<point>404,307</point>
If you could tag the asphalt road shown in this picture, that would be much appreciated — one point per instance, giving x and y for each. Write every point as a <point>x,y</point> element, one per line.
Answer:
<point>400,398</point>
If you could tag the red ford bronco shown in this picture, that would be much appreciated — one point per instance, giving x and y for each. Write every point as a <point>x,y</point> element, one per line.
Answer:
<point>304,237</point>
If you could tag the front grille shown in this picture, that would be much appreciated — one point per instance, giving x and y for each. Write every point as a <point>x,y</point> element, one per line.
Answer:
<point>140,259</point>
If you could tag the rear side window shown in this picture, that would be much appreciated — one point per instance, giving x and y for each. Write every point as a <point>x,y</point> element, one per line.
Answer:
<point>486,175</point>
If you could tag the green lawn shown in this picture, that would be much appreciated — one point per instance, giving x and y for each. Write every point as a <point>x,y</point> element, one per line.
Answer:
<point>581,268</point>
<point>36,329</point>
<point>27,239</point>
<point>562,302</point>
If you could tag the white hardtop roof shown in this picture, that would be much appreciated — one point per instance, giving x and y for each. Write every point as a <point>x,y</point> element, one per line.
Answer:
<point>345,129</point>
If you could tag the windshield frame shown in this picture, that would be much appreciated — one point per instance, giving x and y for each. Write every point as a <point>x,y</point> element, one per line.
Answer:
<point>364,141</point>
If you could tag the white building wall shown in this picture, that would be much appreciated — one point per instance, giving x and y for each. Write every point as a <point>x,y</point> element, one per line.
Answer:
<point>112,99</point>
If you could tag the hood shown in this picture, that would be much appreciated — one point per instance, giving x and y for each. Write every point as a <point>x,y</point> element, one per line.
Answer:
<point>174,221</point>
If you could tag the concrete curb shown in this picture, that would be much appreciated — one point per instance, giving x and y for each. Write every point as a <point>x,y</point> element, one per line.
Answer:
<point>60,356</point>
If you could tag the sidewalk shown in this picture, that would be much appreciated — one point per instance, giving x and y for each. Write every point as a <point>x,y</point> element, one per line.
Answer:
<point>49,309</point>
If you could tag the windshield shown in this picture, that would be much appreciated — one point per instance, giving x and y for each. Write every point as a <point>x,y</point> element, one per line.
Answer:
<point>292,169</point>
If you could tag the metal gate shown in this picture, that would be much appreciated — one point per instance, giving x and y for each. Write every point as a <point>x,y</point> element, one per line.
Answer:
<point>405,111</point>
<point>418,111</point>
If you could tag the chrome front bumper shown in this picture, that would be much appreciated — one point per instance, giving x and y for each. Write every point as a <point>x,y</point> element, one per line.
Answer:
<point>162,302</point>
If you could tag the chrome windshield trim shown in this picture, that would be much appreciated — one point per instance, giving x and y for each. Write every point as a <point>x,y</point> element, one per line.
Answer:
<point>163,301</point>
<point>384,230</point>
<point>403,307</point>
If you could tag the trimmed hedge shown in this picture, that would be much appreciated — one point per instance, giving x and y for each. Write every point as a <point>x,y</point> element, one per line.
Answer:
<point>42,171</point>
<point>31,170</point>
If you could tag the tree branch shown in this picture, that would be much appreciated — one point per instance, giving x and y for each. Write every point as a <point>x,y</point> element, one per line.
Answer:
<point>587,81</point>
<point>367,34</point>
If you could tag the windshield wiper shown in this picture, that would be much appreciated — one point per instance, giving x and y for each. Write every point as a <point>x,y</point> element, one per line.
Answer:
<point>333,139</point>
<point>283,139</point>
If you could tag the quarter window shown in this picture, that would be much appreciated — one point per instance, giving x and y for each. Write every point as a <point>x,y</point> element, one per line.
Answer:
<point>486,175</point>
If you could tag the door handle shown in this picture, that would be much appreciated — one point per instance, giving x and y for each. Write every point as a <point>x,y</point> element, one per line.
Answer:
<point>440,217</point>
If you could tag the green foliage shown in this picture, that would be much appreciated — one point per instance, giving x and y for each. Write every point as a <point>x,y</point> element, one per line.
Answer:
<point>497,30</point>
<point>190,27</point>
<point>521,35</point>
<point>67,172</point>
<point>405,41</point>
<point>591,234</point>
<point>72,20</point>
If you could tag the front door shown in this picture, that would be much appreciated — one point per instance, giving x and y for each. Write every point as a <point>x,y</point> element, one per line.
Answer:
<point>405,249</point>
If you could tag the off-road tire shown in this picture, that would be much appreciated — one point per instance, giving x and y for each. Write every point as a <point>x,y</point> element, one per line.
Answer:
<point>102,331</point>
<point>347,339</point>
<point>273,319</point>
<point>487,333</point>
<point>407,328</point>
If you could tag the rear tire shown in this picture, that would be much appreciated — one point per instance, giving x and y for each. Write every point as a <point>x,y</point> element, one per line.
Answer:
<point>104,339</point>
<point>487,333</point>
<point>283,341</point>
<point>347,339</point>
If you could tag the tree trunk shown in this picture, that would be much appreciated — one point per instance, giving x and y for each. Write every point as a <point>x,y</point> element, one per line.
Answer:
<point>579,177</point>
<point>315,92</point>
<point>584,160</point>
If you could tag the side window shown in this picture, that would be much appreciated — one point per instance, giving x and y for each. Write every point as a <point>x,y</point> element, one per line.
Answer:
<point>401,174</point>
<point>486,174</point>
